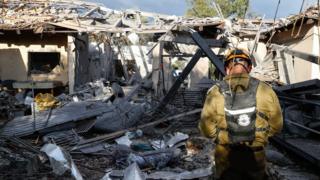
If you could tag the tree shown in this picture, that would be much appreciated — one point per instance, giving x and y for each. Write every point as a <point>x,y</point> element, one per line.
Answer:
<point>205,8</point>
<point>200,8</point>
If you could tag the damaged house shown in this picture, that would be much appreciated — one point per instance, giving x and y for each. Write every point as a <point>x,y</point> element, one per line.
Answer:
<point>299,36</point>
<point>94,93</point>
<point>37,52</point>
<point>294,42</point>
<point>45,60</point>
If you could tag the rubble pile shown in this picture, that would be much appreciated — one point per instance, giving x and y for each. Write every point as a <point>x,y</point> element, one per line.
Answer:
<point>17,14</point>
<point>97,90</point>
<point>42,16</point>
<point>9,107</point>
<point>21,159</point>
<point>66,153</point>
<point>100,130</point>
<point>154,157</point>
<point>126,102</point>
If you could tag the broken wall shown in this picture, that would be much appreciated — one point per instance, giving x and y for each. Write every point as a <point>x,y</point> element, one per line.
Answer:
<point>162,79</point>
<point>199,72</point>
<point>138,53</point>
<point>89,60</point>
<point>82,62</point>
<point>16,49</point>
<point>307,41</point>
<point>101,58</point>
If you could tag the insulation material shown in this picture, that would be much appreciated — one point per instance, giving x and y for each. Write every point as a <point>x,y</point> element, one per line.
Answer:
<point>46,101</point>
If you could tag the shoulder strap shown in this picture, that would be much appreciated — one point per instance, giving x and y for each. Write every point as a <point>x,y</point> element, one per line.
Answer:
<point>254,83</point>
<point>223,86</point>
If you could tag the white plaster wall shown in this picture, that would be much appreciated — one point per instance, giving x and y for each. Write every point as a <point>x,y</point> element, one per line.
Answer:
<point>302,68</point>
<point>14,63</point>
<point>143,61</point>
<point>200,70</point>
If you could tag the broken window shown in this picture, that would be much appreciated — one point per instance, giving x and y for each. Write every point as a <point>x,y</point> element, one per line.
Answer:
<point>43,62</point>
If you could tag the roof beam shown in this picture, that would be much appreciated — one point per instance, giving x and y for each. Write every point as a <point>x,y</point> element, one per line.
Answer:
<point>305,56</point>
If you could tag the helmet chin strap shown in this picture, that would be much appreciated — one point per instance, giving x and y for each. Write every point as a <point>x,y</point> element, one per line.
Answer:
<point>236,87</point>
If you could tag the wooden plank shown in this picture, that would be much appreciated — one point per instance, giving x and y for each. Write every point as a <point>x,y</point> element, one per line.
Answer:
<point>91,11</point>
<point>214,59</point>
<point>71,64</point>
<point>162,85</point>
<point>281,67</point>
<point>136,69</point>
<point>290,68</point>
<point>124,63</point>
<point>143,59</point>
<point>187,39</point>
<point>36,85</point>
<point>174,88</point>
<point>155,68</point>
<point>90,142</point>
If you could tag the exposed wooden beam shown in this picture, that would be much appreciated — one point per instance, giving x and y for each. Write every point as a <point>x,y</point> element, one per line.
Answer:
<point>305,56</point>
<point>91,11</point>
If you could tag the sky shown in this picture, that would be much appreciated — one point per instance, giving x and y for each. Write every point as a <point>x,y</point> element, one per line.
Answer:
<point>178,7</point>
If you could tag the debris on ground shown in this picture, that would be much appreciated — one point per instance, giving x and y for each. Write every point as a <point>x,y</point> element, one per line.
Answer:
<point>118,94</point>
<point>61,161</point>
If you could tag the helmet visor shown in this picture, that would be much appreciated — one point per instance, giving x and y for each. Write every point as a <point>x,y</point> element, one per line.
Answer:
<point>238,60</point>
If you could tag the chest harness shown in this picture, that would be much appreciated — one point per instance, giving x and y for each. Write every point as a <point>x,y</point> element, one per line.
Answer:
<point>240,112</point>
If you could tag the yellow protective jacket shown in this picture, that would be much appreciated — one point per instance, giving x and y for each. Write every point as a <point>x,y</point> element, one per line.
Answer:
<point>213,123</point>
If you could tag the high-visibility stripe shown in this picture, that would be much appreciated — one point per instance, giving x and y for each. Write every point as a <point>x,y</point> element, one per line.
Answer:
<point>232,56</point>
<point>240,111</point>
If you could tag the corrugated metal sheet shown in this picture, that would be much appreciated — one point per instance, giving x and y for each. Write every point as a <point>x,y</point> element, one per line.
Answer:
<point>72,112</point>
<point>185,98</point>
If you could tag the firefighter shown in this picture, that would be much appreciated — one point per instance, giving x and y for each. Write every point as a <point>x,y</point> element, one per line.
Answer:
<point>240,114</point>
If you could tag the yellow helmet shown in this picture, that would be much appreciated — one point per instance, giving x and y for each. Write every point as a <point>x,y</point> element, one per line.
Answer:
<point>234,54</point>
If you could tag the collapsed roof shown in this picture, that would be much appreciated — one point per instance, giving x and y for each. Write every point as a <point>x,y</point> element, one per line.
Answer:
<point>250,27</point>
<point>41,16</point>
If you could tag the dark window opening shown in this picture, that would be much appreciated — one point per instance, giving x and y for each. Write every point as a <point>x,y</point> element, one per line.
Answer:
<point>43,62</point>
